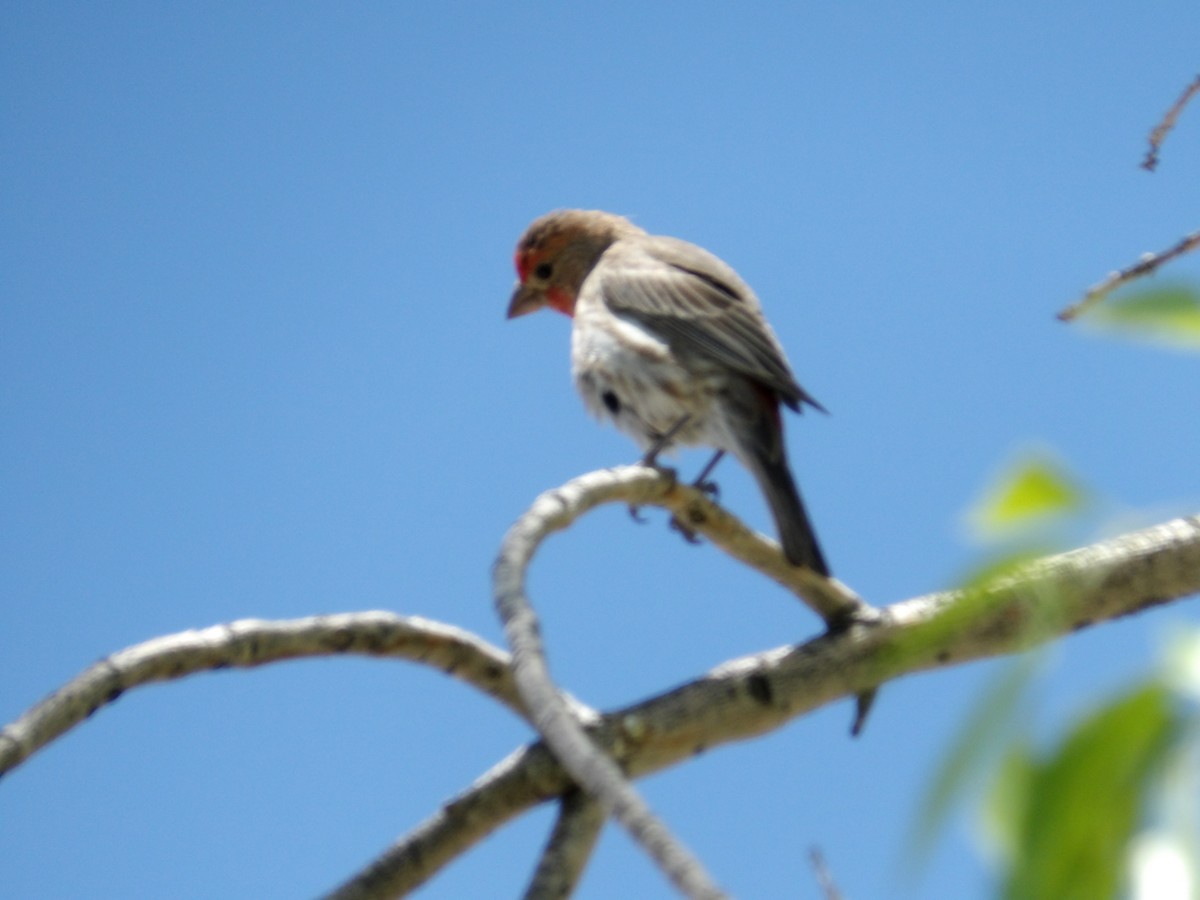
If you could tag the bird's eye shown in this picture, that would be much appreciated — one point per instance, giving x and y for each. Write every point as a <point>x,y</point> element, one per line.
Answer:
<point>544,270</point>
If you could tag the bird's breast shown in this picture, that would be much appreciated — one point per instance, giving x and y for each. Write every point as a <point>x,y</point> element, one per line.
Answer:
<point>629,375</point>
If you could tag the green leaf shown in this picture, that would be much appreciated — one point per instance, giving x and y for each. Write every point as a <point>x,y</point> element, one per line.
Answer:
<point>1083,802</point>
<point>1004,809</point>
<point>992,717</point>
<point>1031,491</point>
<point>1168,315</point>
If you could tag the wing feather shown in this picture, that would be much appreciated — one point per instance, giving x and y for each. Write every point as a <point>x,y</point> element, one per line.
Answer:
<point>698,305</point>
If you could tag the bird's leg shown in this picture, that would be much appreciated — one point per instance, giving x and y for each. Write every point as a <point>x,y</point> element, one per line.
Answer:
<point>708,487</point>
<point>651,457</point>
<point>701,483</point>
<point>663,441</point>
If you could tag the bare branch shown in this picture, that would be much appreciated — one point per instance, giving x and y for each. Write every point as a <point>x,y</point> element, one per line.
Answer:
<point>580,819</point>
<point>739,700</point>
<point>644,486</point>
<point>252,642</point>
<point>747,697</point>
<point>526,777</point>
<point>1149,262</point>
<point>1144,266</point>
<point>1160,132</point>
<point>829,888</point>
<point>591,768</point>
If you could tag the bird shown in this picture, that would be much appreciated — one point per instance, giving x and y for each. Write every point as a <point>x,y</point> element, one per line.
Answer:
<point>672,346</point>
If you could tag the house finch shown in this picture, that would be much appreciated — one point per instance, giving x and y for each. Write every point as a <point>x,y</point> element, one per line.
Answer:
<point>672,345</point>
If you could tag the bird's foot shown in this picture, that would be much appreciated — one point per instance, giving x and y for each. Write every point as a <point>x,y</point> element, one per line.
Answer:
<point>689,534</point>
<point>635,512</point>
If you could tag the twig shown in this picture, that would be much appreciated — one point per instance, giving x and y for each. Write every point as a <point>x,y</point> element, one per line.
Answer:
<point>580,819</point>
<point>1144,266</point>
<point>1160,132</point>
<point>252,642</point>
<point>825,880</point>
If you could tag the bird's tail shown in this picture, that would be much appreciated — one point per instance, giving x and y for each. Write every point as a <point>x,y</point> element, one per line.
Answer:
<point>787,508</point>
<point>756,429</point>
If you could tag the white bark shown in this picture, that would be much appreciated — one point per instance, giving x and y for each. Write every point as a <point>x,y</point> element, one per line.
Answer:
<point>739,699</point>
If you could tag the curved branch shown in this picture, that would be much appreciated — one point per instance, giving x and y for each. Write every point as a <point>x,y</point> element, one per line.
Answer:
<point>641,485</point>
<point>739,700</point>
<point>593,769</point>
<point>756,694</point>
<point>252,642</point>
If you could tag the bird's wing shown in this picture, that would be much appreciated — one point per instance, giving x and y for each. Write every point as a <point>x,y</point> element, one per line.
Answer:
<point>698,305</point>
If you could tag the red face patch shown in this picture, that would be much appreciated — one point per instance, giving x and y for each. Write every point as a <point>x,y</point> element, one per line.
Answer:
<point>522,263</point>
<point>557,298</point>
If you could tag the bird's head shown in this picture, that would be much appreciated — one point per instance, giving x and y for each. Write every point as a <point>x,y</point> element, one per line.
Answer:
<point>556,254</point>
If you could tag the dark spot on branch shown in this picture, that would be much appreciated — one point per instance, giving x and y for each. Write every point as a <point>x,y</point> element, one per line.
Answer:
<point>341,641</point>
<point>760,689</point>
<point>943,656</point>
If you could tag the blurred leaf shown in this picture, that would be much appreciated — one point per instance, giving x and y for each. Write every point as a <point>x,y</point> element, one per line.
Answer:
<point>979,591</point>
<point>1165,860</point>
<point>1083,802</point>
<point>1181,663</point>
<point>1032,491</point>
<point>1168,314</point>
<point>978,741</point>
<point>1162,868</point>
<point>1006,803</point>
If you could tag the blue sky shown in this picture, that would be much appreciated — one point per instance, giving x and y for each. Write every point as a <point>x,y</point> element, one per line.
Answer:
<point>254,362</point>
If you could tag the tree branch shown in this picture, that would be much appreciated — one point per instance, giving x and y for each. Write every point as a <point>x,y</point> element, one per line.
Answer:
<point>580,819</point>
<point>640,485</point>
<point>1148,263</point>
<point>252,642</point>
<point>591,768</point>
<point>1163,128</point>
<point>740,699</point>
<point>527,776</point>
<point>756,694</point>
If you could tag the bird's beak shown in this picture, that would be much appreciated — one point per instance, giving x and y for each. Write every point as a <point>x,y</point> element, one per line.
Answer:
<point>525,300</point>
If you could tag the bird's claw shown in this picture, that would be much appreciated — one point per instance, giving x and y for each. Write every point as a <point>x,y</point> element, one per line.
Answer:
<point>689,534</point>
<point>710,488</point>
<point>651,462</point>
<point>635,513</point>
